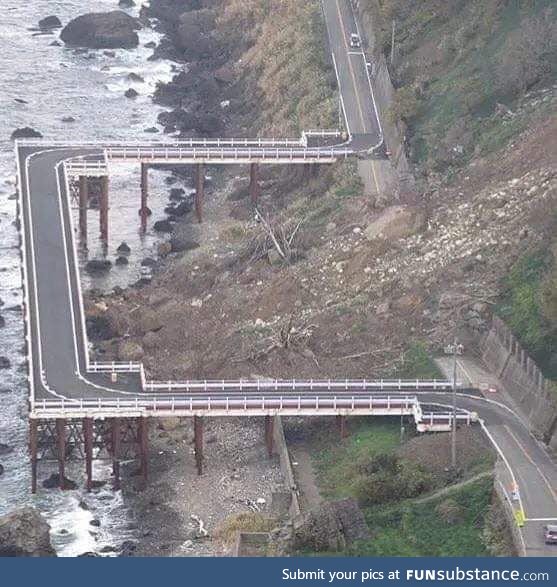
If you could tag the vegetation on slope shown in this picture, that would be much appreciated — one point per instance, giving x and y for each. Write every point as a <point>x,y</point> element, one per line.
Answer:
<point>454,62</point>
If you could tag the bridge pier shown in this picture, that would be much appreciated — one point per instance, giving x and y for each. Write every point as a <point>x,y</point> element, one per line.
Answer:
<point>61,444</point>
<point>116,438</point>
<point>199,191</point>
<point>88,450</point>
<point>144,211</point>
<point>103,210</point>
<point>254,187</point>
<point>269,434</point>
<point>83,204</point>
<point>33,425</point>
<point>341,420</point>
<point>143,438</point>
<point>198,443</point>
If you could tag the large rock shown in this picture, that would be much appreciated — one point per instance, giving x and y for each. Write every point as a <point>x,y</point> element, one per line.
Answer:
<point>102,30</point>
<point>25,533</point>
<point>50,22</point>
<point>329,527</point>
<point>26,133</point>
<point>394,223</point>
<point>194,32</point>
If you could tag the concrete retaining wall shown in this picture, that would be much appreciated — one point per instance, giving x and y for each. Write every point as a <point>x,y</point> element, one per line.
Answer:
<point>522,378</point>
<point>286,466</point>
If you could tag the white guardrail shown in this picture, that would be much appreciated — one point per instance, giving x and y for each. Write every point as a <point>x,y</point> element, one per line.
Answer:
<point>156,153</point>
<point>397,405</point>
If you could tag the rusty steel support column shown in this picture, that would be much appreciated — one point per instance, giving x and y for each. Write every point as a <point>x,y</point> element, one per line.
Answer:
<point>254,188</point>
<point>83,204</point>
<point>61,444</point>
<point>88,450</point>
<point>199,191</point>
<point>342,426</point>
<point>103,209</point>
<point>144,211</point>
<point>144,447</point>
<point>198,443</point>
<point>33,425</point>
<point>269,434</point>
<point>116,441</point>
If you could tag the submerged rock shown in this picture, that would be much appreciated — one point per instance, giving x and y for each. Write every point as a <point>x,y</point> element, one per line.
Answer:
<point>25,533</point>
<point>96,266</point>
<point>53,482</point>
<point>102,30</point>
<point>5,363</point>
<point>131,93</point>
<point>50,22</point>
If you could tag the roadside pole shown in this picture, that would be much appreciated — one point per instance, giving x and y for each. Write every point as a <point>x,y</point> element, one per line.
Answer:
<point>453,435</point>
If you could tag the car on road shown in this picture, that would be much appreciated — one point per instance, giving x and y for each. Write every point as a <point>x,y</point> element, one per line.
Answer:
<point>550,534</point>
<point>355,41</point>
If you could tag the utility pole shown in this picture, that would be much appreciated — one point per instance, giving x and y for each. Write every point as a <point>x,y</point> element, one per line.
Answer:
<point>393,42</point>
<point>453,436</point>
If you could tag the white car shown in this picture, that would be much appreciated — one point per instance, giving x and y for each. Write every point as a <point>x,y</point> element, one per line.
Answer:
<point>355,41</point>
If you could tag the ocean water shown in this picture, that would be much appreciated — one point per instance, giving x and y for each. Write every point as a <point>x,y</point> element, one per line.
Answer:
<point>56,82</point>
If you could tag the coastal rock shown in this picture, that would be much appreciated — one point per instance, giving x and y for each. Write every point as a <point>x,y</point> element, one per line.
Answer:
<point>123,248</point>
<point>131,93</point>
<point>102,30</point>
<point>97,266</point>
<point>1,469</point>
<point>134,77</point>
<point>2,321</point>
<point>53,482</point>
<point>5,363</point>
<point>50,22</point>
<point>162,226</point>
<point>194,32</point>
<point>121,260</point>
<point>68,119</point>
<point>126,3</point>
<point>26,133</point>
<point>180,244</point>
<point>177,194</point>
<point>25,533</point>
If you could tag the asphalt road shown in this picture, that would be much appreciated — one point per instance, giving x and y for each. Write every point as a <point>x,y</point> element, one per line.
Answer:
<point>533,469</point>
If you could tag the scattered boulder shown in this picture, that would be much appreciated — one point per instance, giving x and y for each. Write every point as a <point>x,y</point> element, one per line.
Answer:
<point>148,262</point>
<point>109,53</point>
<point>5,363</point>
<point>151,45</point>
<point>177,194</point>
<point>180,209</point>
<point>131,93</point>
<point>26,133</point>
<point>68,119</point>
<point>130,351</point>
<point>97,266</point>
<point>24,532</point>
<point>95,523</point>
<point>2,321</point>
<point>53,482</point>
<point>121,260</point>
<point>50,22</point>
<point>135,77</point>
<point>395,222</point>
<point>102,30</point>
<point>128,548</point>
<point>151,130</point>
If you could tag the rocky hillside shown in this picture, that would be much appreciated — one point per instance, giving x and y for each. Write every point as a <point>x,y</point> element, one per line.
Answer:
<point>353,286</point>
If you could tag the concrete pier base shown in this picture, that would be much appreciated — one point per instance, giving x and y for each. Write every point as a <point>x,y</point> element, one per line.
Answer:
<point>144,211</point>
<point>143,438</point>
<point>116,440</point>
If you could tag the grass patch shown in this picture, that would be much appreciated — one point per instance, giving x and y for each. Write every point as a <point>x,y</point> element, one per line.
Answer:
<point>335,465</point>
<point>521,307</point>
<point>417,363</point>
<point>244,522</point>
<point>423,530</point>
